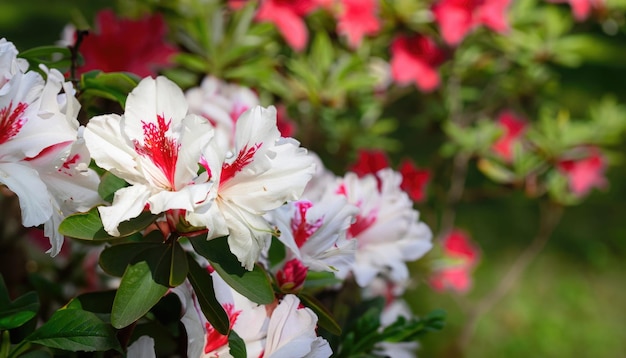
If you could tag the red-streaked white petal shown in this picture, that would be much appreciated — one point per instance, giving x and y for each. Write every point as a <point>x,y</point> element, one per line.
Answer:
<point>24,181</point>
<point>156,147</point>
<point>291,332</point>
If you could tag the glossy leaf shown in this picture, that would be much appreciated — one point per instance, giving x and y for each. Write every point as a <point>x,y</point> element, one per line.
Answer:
<point>109,184</point>
<point>88,226</point>
<point>75,330</point>
<point>254,284</point>
<point>16,313</point>
<point>168,264</point>
<point>202,284</point>
<point>138,292</point>
<point>114,86</point>
<point>236,345</point>
<point>116,258</point>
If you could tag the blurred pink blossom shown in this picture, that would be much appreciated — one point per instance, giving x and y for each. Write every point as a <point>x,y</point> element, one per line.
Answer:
<point>460,257</point>
<point>586,173</point>
<point>415,59</point>
<point>513,127</point>
<point>287,16</point>
<point>414,180</point>
<point>135,46</point>
<point>369,162</point>
<point>581,8</point>
<point>456,18</point>
<point>357,19</point>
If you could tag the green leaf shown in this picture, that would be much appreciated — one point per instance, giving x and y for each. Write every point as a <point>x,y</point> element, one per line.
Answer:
<point>16,313</point>
<point>88,226</point>
<point>138,292</point>
<point>168,264</point>
<point>237,345</point>
<point>202,284</point>
<point>276,252</point>
<point>254,284</point>
<point>75,330</point>
<point>114,86</point>
<point>325,318</point>
<point>115,259</point>
<point>109,184</point>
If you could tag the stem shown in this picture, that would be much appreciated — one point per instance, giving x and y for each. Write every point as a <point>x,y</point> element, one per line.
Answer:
<point>550,217</point>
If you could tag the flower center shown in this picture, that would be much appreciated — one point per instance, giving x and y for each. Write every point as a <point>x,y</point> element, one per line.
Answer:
<point>302,230</point>
<point>11,121</point>
<point>244,158</point>
<point>160,149</point>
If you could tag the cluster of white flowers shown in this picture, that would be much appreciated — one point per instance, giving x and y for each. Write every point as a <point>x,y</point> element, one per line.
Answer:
<point>43,159</point>
<point>216,158</point>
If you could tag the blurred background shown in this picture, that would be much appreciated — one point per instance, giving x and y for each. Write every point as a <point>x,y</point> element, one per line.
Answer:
<point>571,300</point>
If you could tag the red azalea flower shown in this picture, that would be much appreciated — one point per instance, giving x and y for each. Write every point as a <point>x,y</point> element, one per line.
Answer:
<point>513,126</point>
<point>287,16</point>
<point>415,59</point>
<point>414,180</point>
<point>458,17</point>
<point>460,257</point>
<point>237,4</point>
<point>135,46</point>
<point>370,162</point>
<point>286,126</point>
<point>585,174</point>
<point>357,19</point>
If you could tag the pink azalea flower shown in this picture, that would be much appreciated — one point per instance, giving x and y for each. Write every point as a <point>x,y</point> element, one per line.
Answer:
<point>460,257</point>
<point>125,45</point>
<point>456,18</point>
<point>290,278</point>
<point>357,19</point>
<point>586,173</point>
<point>414,59</point>
<point>582,8</point>
<point>287,16</point>
<point>513,127</point>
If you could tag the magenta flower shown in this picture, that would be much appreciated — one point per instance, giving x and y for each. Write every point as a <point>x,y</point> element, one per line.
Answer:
<point>513,127</point>
<point>456,18</point>
<point>460,257</point>
<point>415,59</point>
<point>287,16</point>
<point>125,45</point>
<point>586,173</point>
<point>357,19</point>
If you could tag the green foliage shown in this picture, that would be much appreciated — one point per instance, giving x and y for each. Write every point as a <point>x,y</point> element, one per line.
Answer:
<point>76,330</point>
<point>114,86</point>
<point>137,294</point>
<point>17,312</point>
<point>202,283</point>
<point>254,284</point>
<point>88,226</point>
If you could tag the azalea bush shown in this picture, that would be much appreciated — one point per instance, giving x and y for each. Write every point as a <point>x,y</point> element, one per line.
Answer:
<point>270,178</point>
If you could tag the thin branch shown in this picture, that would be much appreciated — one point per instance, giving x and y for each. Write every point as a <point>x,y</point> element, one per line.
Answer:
<point>550,217</point>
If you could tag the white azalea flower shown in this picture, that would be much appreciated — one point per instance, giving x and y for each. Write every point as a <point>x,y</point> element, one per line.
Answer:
<point>262,173</point>
<point>38,153</point>
<point>291,332</point>
<point>222,104</point>
<point>387,228</point>
<point>315,233</point>
<point>156,147</point>
<point>271,331</point>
